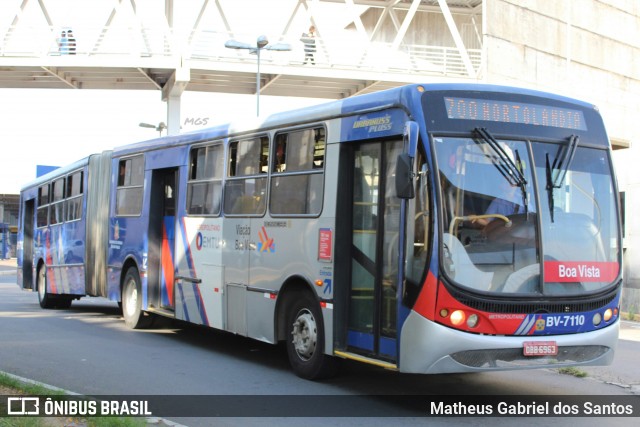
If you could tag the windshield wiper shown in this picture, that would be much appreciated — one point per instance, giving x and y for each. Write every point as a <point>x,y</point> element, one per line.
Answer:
<point>511,171</point>
<point>561,166</point>
<point>564,159</point>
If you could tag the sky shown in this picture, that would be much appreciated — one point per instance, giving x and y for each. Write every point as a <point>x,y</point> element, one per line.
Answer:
<point>59,126</point>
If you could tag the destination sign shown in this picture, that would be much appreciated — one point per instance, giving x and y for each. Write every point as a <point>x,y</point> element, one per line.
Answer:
<point>514,112</point>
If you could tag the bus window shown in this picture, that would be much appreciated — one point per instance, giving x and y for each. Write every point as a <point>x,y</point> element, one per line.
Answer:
<point>74,196</point>
<point>43,206</point>
<point>298,174</point>
<point>130,181</point>
<point>204,189</point>
<point>245,190</point>
<point>57,202</point>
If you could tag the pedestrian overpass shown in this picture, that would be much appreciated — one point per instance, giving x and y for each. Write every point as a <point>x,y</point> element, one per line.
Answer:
<point>360,46</point>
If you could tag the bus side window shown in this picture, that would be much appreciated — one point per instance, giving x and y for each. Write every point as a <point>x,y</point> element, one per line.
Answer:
<point>130,186</point>
<point>204,189</point>
<point>246,187</point>
<point>74,196</point>
<point>56,215</point>
<point>298,172</point>
<point>43,206</point>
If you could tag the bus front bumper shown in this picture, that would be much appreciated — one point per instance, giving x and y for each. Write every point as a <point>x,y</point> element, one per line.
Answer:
<point>430,348</point>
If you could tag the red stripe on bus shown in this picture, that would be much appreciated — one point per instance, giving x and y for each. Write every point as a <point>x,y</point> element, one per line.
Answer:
<point>167,265</point>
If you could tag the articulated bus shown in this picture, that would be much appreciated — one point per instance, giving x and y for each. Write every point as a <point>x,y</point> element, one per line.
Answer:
<point>430,228</point>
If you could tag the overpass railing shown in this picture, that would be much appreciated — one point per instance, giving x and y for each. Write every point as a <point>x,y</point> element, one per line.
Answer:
<point>346,51</point>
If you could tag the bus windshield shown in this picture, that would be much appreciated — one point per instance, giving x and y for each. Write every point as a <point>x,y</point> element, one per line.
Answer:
<point>516,211</point>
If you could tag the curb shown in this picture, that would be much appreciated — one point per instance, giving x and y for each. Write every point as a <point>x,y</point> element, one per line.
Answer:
<point>148,420</point>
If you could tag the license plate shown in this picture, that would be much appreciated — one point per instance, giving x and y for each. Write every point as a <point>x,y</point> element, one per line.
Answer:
<point>540,348</point>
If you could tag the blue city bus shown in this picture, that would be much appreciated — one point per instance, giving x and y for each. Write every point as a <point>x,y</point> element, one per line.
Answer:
<point>427,229</point>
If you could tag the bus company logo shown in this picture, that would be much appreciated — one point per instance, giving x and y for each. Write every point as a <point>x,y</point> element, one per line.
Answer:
<point>266,244</point>
<point>378,124</point>
<point>207,242</point>
<point>116,231</point>
<point>540,323</point>
<point>199,241</point>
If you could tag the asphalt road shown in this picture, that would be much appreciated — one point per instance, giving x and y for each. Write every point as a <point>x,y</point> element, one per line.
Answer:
<point>88,350</point>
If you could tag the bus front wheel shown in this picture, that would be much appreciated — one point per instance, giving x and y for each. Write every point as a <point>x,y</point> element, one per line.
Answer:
<point>132,312</point>
<point>305,338</point>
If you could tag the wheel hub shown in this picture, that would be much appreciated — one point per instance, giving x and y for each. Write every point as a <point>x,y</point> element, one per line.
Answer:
<point>42,287</point>
<point>132,301</point>
<point>305,334</point>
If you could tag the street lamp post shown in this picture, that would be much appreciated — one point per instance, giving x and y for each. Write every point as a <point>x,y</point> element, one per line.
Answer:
<point>261,43</point>
<point>159,127</point>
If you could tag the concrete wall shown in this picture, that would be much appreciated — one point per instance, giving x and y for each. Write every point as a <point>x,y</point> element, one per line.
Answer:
<point>587,49</point>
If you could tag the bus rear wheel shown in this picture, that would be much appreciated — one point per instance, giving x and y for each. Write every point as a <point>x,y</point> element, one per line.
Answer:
<point>45,299</point>
<point>132,312</point>
<point>305,338</point>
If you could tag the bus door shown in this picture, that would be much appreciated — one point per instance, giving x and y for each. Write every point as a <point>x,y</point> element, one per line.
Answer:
<point>27,243</point>
<point>162,225</point>
<point>375,226</point>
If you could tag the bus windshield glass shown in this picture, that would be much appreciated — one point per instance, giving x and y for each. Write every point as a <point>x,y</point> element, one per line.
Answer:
<point>504,232</point>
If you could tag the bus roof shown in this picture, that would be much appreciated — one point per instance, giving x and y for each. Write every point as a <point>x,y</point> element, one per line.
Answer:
<point>61,171</point>
<point>333,109</point>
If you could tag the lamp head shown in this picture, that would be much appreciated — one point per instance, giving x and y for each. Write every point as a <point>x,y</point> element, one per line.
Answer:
<point>262,42</point>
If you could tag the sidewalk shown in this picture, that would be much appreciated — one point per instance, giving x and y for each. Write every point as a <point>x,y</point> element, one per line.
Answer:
<point>630,330</point>
<point>8,266</point>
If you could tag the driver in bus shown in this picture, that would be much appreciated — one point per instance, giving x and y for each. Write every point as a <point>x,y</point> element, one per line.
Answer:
<point>502,205</point>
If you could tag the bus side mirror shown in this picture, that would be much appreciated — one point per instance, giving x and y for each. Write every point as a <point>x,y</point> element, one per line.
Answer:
<point>404,165</point>
<point>410,137</point>
<point>404,177</point>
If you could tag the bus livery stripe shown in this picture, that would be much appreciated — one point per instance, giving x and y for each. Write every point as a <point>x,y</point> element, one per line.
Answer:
<point>187,248</point>
<point>200,304</point>
<point>167,260</point>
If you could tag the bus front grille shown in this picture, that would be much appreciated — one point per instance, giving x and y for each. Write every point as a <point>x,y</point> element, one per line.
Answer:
<point>506,358</point>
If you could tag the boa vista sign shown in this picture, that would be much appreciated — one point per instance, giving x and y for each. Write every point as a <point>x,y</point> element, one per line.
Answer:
<point>580,271</point>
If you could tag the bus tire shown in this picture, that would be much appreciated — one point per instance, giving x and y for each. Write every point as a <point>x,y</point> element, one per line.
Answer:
<point>45,299</point>
<point>305,338</point>
<point>132,312</point>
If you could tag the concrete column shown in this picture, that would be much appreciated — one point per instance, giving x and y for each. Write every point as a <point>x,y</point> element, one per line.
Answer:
<point>171,94</point>
<point>173,115</point>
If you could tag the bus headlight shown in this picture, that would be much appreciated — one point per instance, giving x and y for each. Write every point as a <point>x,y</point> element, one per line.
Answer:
<point>457,317</point>
<point>597,318</point>
<point>608,314</point>
<point>472,321</point>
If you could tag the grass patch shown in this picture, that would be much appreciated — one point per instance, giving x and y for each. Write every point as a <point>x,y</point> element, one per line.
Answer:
<point>65,421</point>
<point>115,422</point>
<point>10,385</point>
<point>575,372</point>
<point>26,388</point>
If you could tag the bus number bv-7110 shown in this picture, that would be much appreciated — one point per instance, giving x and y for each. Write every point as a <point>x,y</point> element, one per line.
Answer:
<point>427,229</point>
